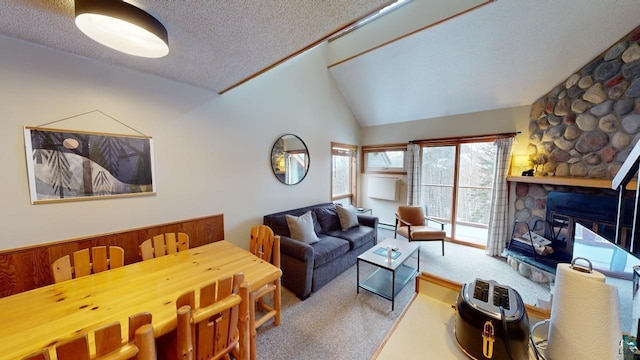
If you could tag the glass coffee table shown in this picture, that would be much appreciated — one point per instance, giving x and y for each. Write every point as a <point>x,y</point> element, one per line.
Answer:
<point>389,277</point>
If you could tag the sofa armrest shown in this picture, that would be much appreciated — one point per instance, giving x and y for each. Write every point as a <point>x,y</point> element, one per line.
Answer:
<point>368,220</point>
<point>296,262</point>
<point>296,249</point>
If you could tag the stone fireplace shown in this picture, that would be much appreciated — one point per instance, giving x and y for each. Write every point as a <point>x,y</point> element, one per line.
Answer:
<point>586,126</point>
<point>581,132</point>
<point>593,208</point>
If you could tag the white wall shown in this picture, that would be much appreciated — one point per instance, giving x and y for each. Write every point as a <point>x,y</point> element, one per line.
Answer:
<point>212,152</point>
<point>479,123</point>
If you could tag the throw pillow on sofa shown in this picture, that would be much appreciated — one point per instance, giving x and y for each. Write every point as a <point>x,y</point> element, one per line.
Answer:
<point>348,217</point>
<point>301,227</point>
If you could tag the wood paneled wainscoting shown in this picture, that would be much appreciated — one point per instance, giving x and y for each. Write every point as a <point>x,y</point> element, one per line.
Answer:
<point>28,268</point>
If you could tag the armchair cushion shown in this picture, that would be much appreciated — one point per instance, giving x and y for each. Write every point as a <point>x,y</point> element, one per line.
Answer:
<point>414,215</point>
<point>422,233</point>
<point>302,227</point>
<point>348,217</point>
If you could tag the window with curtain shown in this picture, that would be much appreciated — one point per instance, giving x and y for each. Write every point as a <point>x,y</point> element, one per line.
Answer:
<point>343,173</point>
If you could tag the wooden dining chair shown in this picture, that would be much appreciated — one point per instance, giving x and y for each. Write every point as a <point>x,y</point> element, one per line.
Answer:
<point>164,244</point>
<point>85,264</point>
<point>210,330</point>
<point>108,343</point>
<point>265,245</point>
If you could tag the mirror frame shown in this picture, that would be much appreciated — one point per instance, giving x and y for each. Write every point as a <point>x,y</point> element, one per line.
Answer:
<point>275,154</point>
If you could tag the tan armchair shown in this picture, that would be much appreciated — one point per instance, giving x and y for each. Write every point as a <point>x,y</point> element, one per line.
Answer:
<point>413,224</point>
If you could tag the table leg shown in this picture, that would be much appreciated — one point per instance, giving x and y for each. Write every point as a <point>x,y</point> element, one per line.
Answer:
<point>358,276</point>
<point>393,289</point>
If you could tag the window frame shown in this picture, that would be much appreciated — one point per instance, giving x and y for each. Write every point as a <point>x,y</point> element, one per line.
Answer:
<point>338,149</point>
<point>382,148</point>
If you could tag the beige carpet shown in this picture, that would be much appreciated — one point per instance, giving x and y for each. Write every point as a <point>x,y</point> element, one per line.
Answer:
<point>338,323</point>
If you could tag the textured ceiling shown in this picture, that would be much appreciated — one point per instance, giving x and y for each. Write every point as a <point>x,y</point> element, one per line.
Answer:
<point>213,44</point>
<point>473,55</point>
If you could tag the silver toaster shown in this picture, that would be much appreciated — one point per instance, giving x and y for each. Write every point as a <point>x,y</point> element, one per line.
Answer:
<point>491,322</point>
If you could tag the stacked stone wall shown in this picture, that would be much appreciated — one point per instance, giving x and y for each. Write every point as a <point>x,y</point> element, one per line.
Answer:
<point>586,126</point>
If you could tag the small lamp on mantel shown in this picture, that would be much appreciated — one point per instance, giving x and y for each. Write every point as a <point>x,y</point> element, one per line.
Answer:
<point>521,165</point>
<point>123,27</point>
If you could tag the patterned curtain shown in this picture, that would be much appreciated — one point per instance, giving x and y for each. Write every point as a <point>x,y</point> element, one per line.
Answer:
<point>414,174</point>
<point>498,217</point>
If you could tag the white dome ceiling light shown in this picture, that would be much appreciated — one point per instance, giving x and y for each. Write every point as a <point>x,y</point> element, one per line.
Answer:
<point>123,27</point>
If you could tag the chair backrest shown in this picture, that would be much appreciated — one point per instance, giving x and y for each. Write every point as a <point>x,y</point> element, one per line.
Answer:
<point>265,245</point>
<point>61,269</point>
<point>164,244</point>
<point>108,343</point>
<point>210,330</point>
<point>103,262</point>
<point>83,265</point>
<point>412,214</point>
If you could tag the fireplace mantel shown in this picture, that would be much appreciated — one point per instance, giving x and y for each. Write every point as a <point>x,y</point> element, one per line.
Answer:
<point>568,181</point>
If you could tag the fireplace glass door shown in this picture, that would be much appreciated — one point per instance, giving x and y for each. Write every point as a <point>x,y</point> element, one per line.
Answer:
<point>605,257</point>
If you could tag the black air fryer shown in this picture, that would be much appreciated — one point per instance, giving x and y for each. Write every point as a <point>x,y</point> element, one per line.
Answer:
<point>491,322</point>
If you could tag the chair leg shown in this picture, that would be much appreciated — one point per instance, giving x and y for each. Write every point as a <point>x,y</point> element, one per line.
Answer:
<point>252,327</point>
<point>395,229</point>
<point>442,247</point>
<point>277,302</point>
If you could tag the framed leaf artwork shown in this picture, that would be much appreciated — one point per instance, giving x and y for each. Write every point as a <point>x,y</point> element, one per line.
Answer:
<point>66,165</point>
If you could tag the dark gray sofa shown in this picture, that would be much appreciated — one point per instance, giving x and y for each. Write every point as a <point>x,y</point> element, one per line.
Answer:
<point>306,268</point>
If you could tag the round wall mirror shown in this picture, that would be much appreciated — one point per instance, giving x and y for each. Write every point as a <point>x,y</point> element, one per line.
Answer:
<point>289,159</point>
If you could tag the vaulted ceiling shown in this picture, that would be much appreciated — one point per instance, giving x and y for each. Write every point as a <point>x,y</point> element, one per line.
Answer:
<point>427,59</point>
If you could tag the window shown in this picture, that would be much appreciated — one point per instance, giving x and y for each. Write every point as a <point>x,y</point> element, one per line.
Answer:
<point>384,159</point>
<point>296,163</point>
<point>343,173</point>
<point>457,181</point>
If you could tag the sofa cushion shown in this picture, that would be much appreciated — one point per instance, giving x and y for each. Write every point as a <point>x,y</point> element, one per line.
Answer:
<point>348,217</point>
<point>356,236</point>
<point>278,223</point>
<point>302,227</point>
<point>327,249</point>
<point>327,218</point>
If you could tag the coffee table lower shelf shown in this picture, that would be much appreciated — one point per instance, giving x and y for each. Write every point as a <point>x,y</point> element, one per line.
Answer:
<point>387,283</point>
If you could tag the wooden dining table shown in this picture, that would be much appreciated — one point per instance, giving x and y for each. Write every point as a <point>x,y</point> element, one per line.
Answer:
<point>40,318</point>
